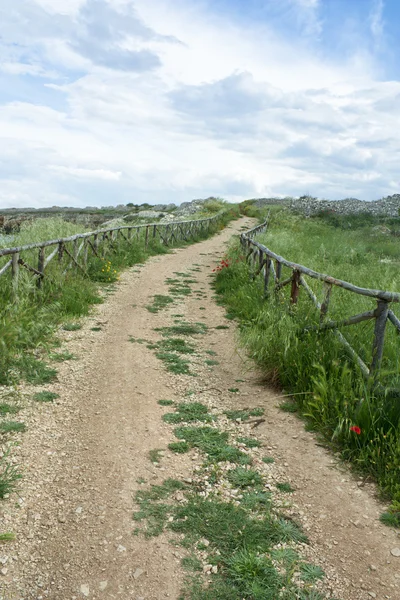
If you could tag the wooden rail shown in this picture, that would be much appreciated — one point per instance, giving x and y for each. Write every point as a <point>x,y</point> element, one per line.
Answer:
<point>77,247</point>
<point>269,265</point>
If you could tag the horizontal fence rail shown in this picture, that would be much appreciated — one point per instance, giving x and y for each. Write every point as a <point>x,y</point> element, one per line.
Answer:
<point>75,249</point>
<point>269,265</point>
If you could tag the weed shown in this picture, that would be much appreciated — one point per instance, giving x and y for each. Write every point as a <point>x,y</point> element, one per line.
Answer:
<point>179,447</point>
<point>210,352</point>
<point>176,345</point>
<point>242,478</point>
<point>391,519</point>
<point>221,327</point>
<point>310,573</point>
<point>234,390</point>
<point>174,363</point>
<point>213,442</point>
<point>289,407</point>
<point>72,326</point>
<point>61,356</point>
<point>9,475</point>
<point>244,414</point>
<point>7,537</point>
<point>183,329</point>
<point>159,302</point>
<point>249,442</point>
<point>268,460</point>
<point>45,396</point>
<point>188,412</point>
<point>34,371</point>
<point>166,402</point>
<point>191,563</point>
<point>8,409</point>
<point>155,455</point>
<point>95,329</point>
<point>12,427</point>
<point>211,363</point>
<point>285,487</point>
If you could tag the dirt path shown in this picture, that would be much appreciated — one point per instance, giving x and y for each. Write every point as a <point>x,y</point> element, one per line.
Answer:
<point>85,456</point>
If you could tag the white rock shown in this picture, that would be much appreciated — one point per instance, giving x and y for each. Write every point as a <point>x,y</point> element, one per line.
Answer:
<point>395,552</point>
<point>85,590</point>
<point>103,585</point>
<point>138,573</point>
<point>121,548</point>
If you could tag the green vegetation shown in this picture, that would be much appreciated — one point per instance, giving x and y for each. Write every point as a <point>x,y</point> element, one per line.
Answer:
<point>155,455</point>
<point>9,475</point>
<point>159,303</point>
<point>65,294</point>
<point>12,427</point>
<point>245,547</point>
<point>166,402</point>
<point>285,487</point>
<point>10,409</point>
<point>186,412</point>
<point>330,391</point>
<point>45,396</point>
<point>249,442</point>
<point>244,414</point>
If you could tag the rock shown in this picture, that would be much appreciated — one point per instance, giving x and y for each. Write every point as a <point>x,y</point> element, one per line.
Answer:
<point>372,594</point>
<point>85,590</point>
<point>121,548</point>
<point>103,585</point>
<point>138,573</point>
<point>4,571</point>
<point>395,552</point>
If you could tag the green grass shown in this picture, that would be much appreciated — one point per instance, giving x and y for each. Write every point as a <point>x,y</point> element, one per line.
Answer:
<point>249,442</point>
<point>9,475</point>
<point>187,413</point>
<point>45,396</point>
<point>268,460</point>
<point>244,414</point>
<point>159,303</point>
<point>10,409</point>
<point>211,363</point>
<point>179,447</point>
<point>95,329</point>
<point>155,455</point>
<point>166,402</point>
<point>243,478</point>
<point>289,407</point>
<point>330,391</point>
<point>174,364</point>
<point>72,326</point>
<point>183,329</point>
<point>34,371</point>
<point>61,356</point>
<point>12,427</point>
<point>7,537</point>
<point>213,443</point>
<point>285,487</point>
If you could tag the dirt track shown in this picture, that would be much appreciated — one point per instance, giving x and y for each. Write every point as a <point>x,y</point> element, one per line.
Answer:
<point>85,455</point>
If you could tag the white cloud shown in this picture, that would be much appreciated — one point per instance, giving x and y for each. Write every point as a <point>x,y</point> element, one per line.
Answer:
<point>231,110</point>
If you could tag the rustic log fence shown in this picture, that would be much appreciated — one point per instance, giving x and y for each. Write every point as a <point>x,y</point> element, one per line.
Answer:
<point>269,265</point>
<point>75,249</point>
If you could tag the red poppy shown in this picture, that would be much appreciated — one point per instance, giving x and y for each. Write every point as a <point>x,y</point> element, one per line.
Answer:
<point>356,429</point>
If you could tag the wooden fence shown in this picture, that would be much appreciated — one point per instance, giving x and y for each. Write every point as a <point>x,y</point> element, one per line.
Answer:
<point>74,250</point>
<point>269,265</point>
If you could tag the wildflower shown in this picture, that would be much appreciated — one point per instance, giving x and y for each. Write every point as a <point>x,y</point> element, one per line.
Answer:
<point>356,429</point>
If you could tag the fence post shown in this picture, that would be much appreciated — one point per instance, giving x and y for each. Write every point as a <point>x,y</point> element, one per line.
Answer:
<point>41,260</point>
<point>146,241</point>
<point>379,335</point>
<point>294,294</point>
<point>85,254</point>
<point>15,273</point>
<point>266,276</point>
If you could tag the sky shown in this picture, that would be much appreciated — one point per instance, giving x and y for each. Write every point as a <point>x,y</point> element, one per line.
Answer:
<point>106,102</point>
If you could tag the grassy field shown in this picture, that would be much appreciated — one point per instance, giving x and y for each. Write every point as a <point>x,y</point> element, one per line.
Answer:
<point>327,387</point>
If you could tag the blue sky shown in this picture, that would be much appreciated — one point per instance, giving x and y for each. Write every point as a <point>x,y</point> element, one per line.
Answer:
<point>105,102</point>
